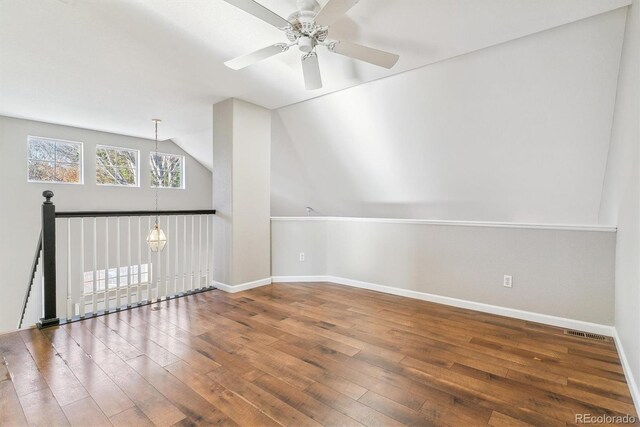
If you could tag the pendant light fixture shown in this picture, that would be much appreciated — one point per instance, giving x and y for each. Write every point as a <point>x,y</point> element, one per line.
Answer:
<point>156,239</point>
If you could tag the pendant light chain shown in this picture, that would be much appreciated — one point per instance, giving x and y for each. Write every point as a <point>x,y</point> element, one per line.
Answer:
<point>157,176</point>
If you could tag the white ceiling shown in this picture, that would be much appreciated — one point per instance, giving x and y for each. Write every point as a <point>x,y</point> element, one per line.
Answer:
<point>114,65</point>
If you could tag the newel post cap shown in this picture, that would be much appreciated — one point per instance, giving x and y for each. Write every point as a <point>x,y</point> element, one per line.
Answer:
<point>48,194</point>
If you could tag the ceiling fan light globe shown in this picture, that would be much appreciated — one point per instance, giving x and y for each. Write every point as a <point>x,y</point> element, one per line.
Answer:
<point>306,44</point>
<point>308,5</point>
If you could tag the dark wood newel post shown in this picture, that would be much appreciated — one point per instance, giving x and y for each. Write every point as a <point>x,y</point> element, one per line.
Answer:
<point>49,261</point>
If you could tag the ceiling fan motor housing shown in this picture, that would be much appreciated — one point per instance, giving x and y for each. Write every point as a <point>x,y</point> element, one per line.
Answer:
<point>304,30</point>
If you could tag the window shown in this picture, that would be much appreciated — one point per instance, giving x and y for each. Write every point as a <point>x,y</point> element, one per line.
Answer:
<point>117,166</point>
<point>132,275</point>
<point>53,160</point>
<point>167,170</point>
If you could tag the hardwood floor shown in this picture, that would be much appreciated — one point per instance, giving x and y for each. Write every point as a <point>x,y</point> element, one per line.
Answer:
<point>306,355</point>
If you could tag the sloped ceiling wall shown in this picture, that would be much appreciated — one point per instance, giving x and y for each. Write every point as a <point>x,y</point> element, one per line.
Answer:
<point>516,132</point>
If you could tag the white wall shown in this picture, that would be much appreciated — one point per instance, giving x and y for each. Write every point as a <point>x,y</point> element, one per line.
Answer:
<point>566,273</point>
<point>621,195</point>
<point>515,132</point>
<point>20,201</point>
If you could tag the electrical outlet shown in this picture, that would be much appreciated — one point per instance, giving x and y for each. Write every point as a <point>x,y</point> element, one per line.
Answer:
<point>301,256</point>
<point>508,281</point>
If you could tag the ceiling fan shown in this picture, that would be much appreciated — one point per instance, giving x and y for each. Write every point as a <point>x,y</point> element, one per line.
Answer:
<point>308,28</point>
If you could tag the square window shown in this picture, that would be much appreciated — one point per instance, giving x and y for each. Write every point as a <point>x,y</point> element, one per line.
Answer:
<point>117,166</point>
<point>167,170</point>
<point>53,160</point>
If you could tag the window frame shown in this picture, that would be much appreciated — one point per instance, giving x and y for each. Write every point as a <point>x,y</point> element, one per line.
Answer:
<point>183,163</point>
<point>137,184</point>
<point>80,161</point>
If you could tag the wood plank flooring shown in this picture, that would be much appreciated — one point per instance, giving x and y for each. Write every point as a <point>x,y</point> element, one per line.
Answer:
<point>312,354</point>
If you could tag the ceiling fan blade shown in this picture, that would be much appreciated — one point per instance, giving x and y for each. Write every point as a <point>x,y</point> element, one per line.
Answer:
<point>311,71</point>
<point>333,11</point>
<point>257,56</point>
<point>259,11</point>
<point>366,54</point>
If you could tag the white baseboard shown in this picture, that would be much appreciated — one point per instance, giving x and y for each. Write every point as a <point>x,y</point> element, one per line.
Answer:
<point>455,302</point>
<point>242,287</point>
<point>631,382</point>
<point>299,279</point>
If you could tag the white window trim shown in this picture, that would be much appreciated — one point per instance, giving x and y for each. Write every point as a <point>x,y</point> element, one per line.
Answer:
<point>81,163</point>
<point>137,184</point>
<point>183,162</point>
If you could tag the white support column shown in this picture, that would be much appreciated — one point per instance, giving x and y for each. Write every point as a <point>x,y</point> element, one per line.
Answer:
<point>241,194</point>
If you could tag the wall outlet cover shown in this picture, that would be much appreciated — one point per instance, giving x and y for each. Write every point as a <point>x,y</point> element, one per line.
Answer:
<point>508,281</point>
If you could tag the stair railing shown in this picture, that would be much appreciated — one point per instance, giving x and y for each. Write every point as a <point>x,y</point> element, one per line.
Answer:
<point>110,282</point>
<point>32,276</point>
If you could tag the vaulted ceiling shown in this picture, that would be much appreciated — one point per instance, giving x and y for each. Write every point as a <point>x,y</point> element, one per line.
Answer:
<point>114,65</point>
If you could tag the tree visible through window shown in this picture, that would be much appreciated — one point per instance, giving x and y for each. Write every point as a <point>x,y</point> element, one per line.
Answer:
<point>167,170</point>
<point>52,160</point>
<point>116,166</point>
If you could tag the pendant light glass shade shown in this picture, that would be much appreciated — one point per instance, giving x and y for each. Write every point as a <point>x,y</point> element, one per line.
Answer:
<point>156,239</point>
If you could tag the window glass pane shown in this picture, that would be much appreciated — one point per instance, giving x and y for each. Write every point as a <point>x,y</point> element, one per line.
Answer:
<point>128,174</point>
<point>67,152</point>
<point>116,166</point>
<point>104,177</point>
<point>67,173</point>
<point>41,171</point>
<point>41,149</point>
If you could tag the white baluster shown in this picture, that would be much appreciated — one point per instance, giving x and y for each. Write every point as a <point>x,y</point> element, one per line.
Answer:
<point>168,259</point>
<point>106,265</point>
<point>95,265</point>
<point>193,220</point>
<point>129,274</point>
<point>199,251</point>
<point>159,275</point>
<point>206,276</point>
<point>117,263</point>
<point>184,253</point>
<point>82,267</point>
<point>149,267</point>
<point>175,276</point>
<point>139,260</point>
<point>69,304</point>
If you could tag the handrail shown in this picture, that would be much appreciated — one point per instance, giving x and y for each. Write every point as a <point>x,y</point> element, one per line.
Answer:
<point>48,245</point>
<point>101,214</point>
<point>32,275</point>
